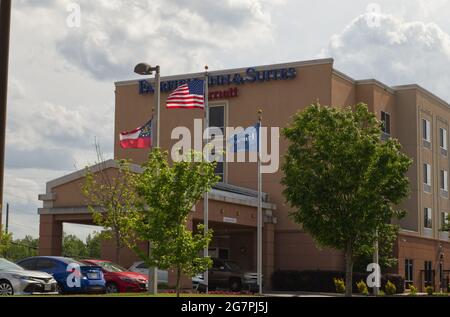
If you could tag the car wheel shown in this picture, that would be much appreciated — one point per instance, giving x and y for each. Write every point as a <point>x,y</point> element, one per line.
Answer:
<point>235,285</point>
<point>111,288</point>
<point>6,288</point>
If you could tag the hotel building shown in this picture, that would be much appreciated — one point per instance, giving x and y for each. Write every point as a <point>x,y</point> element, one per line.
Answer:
<point>416,117</point>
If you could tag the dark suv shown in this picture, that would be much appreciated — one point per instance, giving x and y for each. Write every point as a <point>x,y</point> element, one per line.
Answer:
<point>227,274</point>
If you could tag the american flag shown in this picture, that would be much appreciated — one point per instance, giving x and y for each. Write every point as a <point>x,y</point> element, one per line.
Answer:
<point>188,96</point>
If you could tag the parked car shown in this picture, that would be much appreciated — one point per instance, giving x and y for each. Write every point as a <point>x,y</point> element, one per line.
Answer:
<point>119,279</point>
<point>228,275</point>
<point>141,267</point>
<point>15,280</point>
<point>72,276</point>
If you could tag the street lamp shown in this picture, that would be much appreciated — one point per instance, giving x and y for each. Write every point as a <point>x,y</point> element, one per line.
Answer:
<point>147,70</point>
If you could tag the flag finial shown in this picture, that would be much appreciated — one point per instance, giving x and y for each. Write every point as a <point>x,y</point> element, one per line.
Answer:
<point>206,67</point>
<point>260,112</point>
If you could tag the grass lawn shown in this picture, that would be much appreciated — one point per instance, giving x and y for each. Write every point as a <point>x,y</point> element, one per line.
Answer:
<point>173,295</point>
<point>146,294</point>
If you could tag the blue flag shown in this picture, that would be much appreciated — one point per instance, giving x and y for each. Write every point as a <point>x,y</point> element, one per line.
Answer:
<point>246,141</point>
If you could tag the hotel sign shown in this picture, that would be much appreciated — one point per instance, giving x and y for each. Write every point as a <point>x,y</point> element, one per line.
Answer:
<point>252,75</point>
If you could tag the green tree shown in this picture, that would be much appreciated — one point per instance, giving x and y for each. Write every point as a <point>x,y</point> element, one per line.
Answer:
<point>113,201</point>
<point>386,259</point>
<point>73,246</point>
<point>23,248</point>
<point>93,245</point>
<point>169,194</point>
<point>5,242</point>
<point>342,181</point>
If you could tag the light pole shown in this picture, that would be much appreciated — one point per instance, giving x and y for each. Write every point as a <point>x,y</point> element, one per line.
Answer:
<point>5,25</point>
<point>376,289</point>
<point>147,70</point>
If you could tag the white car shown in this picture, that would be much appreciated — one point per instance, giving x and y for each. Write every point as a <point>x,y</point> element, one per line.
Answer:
<point>15,280</point>
<point>141,267</point>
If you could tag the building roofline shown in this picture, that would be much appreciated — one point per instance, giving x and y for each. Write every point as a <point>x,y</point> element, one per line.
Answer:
<point>422,90</point>
<point>375,82</point>
<point>233,70</point>
<point>368,81</point>
<point>222,192</point>
<point>343,76</point>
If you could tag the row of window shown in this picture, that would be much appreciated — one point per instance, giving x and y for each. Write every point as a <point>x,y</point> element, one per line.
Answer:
<point>426,136</point>
<point>428,271</point>
<point>443,179</point>
<point>428,219</point>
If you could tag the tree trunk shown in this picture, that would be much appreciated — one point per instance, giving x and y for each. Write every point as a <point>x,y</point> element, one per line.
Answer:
<point>348,270</point>
<point>178,281</point>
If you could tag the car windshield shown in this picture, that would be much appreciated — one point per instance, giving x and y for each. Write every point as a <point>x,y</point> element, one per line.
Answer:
<point>6,265</point>
<point>111,267</point>
<point>233,266</point>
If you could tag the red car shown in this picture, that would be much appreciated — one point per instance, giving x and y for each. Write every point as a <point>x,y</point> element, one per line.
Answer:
<point>119,279</point>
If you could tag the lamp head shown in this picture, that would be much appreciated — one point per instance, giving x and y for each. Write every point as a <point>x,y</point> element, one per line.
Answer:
<point>144,69</point>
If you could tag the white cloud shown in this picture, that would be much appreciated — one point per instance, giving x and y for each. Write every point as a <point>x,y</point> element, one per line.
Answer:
<point>395,52</point>
<point>116,35</point>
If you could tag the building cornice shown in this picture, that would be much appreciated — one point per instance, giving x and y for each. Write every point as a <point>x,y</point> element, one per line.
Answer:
<point>424,91</point>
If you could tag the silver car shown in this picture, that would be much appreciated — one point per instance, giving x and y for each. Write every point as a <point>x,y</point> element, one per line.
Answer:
<point>141,267</point>
<point>15,280</point>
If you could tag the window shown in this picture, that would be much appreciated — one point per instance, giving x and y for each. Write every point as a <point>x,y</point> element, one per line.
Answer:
<point>444,180</point>
<point>28,264</point>
<point>443,138</point>
<point>426,130</point>
<point>386,120</point>
<point>142,266</point>
<point>217,119</point>
<point>427,218</point>
<point>218,264</point>
<point>427,178</point>
<point>409,272</point>
<point>428,273</point>
<point>44,264</point>
<point>444,221</point>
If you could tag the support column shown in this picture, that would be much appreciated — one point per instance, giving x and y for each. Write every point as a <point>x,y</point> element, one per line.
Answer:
<point>268,254</point>
<point>50,235</point>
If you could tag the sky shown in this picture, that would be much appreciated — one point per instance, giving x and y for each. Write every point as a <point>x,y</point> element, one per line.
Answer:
<point>62,73</point>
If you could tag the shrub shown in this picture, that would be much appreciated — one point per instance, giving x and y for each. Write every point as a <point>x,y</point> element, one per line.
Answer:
<point>390,288</point>
<point>429,290</point>
<point>381,293</point>
<point>397,280</point>
<point>413,290</point>
<point>362,287</point>
<point>340,285</point>
<point>323,281</point>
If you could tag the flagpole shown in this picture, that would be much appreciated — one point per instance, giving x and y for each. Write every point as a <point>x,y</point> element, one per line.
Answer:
<point>158,144</point>
<point>260,215</point>
<point>206,197</point>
